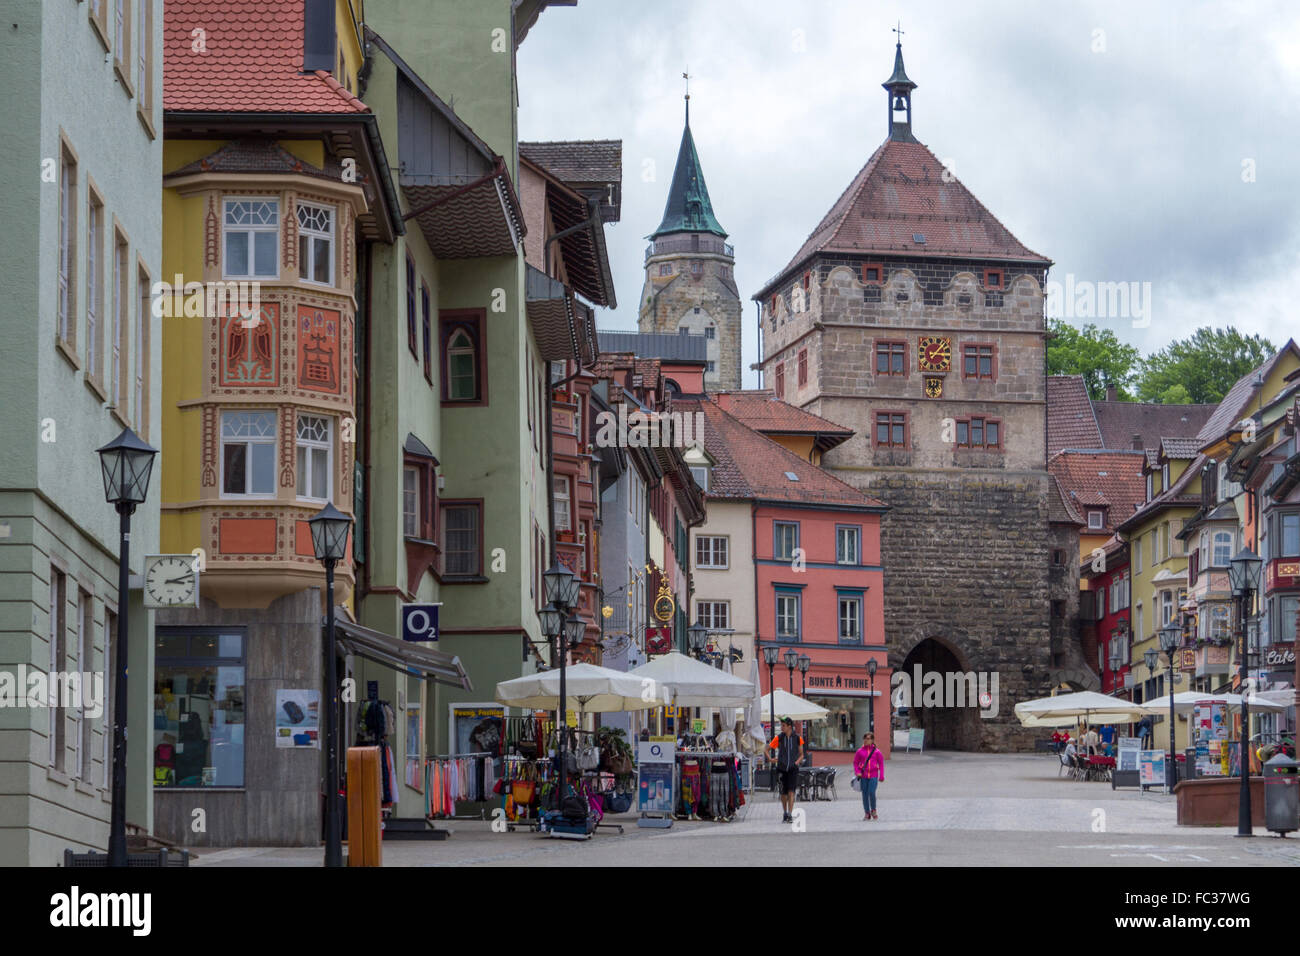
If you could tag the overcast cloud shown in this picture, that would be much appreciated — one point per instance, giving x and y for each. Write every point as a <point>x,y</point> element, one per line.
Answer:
<point>1124,163</point>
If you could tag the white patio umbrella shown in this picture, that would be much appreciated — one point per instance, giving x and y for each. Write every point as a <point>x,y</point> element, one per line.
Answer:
<point>1065,709</point>
<point>796,708</point>
<point>756,739</point>
<point>1184,702</point>
<point>681,681</point>
<point>590,687</point>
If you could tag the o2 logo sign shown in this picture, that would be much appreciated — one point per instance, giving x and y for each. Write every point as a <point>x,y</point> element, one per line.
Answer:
<point>420,622</point>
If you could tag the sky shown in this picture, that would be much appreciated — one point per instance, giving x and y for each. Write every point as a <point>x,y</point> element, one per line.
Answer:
<point>1155,143</point>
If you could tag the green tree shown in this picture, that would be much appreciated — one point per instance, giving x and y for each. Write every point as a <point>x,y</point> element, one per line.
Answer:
<point>1096,354</point>
<point>1206,364</point>
<point>1176,395</point>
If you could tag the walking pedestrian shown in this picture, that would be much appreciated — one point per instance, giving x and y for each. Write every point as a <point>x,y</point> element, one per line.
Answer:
<point>788,747</point>
<point>869,768</point>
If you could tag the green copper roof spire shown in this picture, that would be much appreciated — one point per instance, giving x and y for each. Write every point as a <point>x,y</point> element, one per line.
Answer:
<point>898,93</point>
<point>688,208</point>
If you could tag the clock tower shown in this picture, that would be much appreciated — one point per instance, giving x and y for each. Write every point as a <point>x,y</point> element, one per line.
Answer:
<point>913,316</point>
<point>690,283</point>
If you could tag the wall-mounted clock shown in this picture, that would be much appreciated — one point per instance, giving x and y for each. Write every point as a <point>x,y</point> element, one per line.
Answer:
<point>934,353</point>
<point>933,386</point>
<point>170,581</point>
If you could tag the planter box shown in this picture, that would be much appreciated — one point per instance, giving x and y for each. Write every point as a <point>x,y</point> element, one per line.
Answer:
<point>1212,801</point>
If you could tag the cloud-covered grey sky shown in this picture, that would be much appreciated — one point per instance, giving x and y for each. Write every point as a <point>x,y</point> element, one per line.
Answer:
<point>1112,137</point>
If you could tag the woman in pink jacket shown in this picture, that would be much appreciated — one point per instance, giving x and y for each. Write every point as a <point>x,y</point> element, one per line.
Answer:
<point>869,768</point>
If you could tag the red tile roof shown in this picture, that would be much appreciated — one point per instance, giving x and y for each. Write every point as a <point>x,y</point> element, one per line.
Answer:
<point>900,192</point>
<point>752,466</point>
<point>251,60</point>
<point>1060,510</point>
<point>762,411</point>
<point>1070,419</point>
<point>1110,478</point>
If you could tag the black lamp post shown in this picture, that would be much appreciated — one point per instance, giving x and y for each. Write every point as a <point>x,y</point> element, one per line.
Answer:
<point>126,464</point>
<point>871,711</point>
<point>1243,575</point>
<point>1170,635</point>
<point>770,654</point>
<point>805,662</point>
<point>791,662</point>
<point>562,589</point>
<point>329,540</point>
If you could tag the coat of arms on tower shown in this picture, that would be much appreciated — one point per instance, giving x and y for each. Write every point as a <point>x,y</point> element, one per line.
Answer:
<point>318,349</point>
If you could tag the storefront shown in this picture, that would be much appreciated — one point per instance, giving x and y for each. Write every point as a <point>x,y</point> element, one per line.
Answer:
<point>849,695</point>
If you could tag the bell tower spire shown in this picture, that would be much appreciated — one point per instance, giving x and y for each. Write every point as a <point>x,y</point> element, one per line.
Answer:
<point>898,89</point>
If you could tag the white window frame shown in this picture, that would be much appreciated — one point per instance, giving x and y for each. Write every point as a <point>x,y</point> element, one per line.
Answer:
<point>854,602</point>
<point>310,236</point>
<point>58,657</point>
<point>701,475</point>
<point>1214,548</point>
<point>793,615</point>
<point>140,357</point>
<point>1166,607</point>
<point>85,640</point>
<point>410,501</point>
<point>248,454</point>
<point>310,445</point>
<point>778,527</point>
<point>67,266</point>
<point>455,351</point>
<point>560,490</point>
<point>94,282</point>
<point>121,295</point>
<point>1099,522</point>
<point>717,617</point>
<point>856,534</point>
<point>711,544</point>
<point>226,228</point>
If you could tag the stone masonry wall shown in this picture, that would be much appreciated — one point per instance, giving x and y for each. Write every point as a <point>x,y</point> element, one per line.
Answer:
<point>666,299</point>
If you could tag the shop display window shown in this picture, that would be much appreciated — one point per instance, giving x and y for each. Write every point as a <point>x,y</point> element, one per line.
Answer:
<point>198,715</point>
<point>844,726</point>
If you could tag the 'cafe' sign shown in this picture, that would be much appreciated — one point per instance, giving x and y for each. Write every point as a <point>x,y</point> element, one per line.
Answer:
<point>1278,655</point>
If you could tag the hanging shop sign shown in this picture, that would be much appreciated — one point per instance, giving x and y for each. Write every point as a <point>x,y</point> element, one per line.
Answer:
<point>665,607</point>
<point>420,622</point>
<point>1279,655</point>
<point>658,640</point>
<point>297,718</point>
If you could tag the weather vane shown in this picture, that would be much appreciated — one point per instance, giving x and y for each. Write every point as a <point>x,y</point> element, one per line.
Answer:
<point>899,30</point>
<point>687,78</point>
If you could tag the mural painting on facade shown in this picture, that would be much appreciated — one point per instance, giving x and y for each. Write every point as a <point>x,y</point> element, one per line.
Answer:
<point>249,349</point>
<point>318,349</point>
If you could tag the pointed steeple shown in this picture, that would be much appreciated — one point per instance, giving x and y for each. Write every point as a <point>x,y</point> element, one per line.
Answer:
<point>899,97</point>
<point>688,208</point>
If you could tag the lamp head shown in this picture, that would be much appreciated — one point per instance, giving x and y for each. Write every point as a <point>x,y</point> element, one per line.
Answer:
<point>329,533</point>
<point>126,464</point>
<point>792,659</point>
<point>770,655</point>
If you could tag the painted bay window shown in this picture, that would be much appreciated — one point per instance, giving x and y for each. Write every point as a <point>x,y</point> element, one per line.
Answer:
<point>248,454</point>
<point>1222,554</point>
<point>411,501</point>
<point>198,711</point>
<point>251,238</point>
<point>315,457</point>
<point>419,496</point>
<point>315,243</point>
<point>1282,618</point>
<point>785,539</point>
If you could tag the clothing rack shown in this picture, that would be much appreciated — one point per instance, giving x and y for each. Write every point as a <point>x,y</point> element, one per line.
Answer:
<point>457,778</point>
<point>707,784</point>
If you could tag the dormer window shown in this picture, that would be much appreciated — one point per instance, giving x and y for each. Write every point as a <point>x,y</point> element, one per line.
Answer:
<point>1096,520</point>
<point>1164,477</point>
<point>701,476</point>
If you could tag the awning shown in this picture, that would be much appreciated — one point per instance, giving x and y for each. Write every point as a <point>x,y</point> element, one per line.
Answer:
<point>563,326</point>
<point>404,656</point>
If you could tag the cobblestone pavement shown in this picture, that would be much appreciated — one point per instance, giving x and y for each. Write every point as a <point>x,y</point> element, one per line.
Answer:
<point>935,809</point>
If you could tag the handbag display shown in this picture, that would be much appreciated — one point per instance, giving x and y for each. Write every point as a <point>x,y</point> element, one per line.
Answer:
<point>588,758</point>
<point>523,790</point>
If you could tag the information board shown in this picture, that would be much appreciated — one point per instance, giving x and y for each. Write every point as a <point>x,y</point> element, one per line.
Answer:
<point>1151,768</point>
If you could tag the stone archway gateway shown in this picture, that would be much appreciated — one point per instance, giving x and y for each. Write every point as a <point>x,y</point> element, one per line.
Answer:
<point>944,695</point>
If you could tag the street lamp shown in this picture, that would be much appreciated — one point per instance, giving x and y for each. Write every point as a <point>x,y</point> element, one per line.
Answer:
<point>562,588</point>
<point>791,662</point>
<point>126,464</point>
<point>770,654</point>
<point>1170,635</point>
<point>871,711</point>
<point>805,662</point>
<point>1243,575</point>
<point>697,636</point>
<point>329,541</point>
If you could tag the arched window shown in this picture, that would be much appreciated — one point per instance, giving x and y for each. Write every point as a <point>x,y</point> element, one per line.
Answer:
<point>463,369</point>
<point>1222,548</point>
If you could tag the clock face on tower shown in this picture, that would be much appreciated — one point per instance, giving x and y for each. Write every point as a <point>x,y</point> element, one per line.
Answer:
<point>934,353</point>
<point>170,581</point>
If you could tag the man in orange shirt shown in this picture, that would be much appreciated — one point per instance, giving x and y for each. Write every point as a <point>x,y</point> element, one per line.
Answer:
<point>788,754</point>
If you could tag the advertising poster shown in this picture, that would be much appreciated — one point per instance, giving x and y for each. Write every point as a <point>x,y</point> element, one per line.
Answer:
<point>1151,768</point>
<point>654,766</point>
<point>1128,758</point>
<point>478,730</point>
<point>297,718</point>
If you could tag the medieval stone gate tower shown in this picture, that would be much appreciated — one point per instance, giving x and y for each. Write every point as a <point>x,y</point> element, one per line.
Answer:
<point>690,284</point>
<point>915,317</point>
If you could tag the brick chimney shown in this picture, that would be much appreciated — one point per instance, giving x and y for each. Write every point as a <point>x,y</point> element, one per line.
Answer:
<point>1112,393</point>
<point>1137,442</point>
